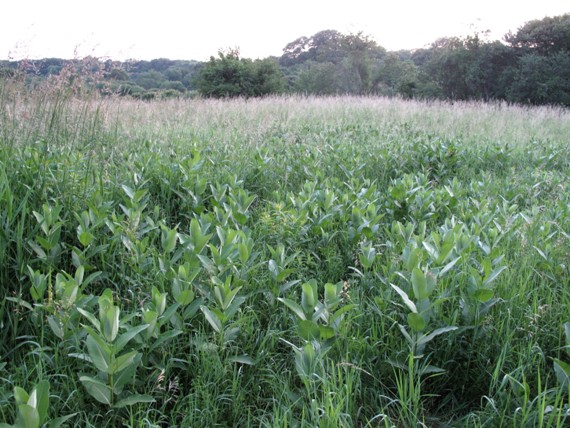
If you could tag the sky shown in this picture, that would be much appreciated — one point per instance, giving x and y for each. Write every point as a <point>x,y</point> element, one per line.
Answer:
<point>175,29</point>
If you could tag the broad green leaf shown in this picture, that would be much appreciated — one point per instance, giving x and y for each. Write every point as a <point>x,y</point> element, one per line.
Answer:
<point>38,250</point>
<point>244,252</point>
<point>130,192</point>
<point>309,296</point>
<point>85,238</point>
<point>111,323</point>
<point>487,266</point>
<point>105,301</point>
<point>168,241</point>
<point>272,266</point>
<point>97,389</point>
<point>326,332</point>
<point>57,422</point>
<point>231,334</point>
<point>28,417</point>
<point>185,297</point>
<point>493,275</point>
<point>294,307</point>
<point>134,399</point>
<point>288,284</point>
<point>284,274</point>
<point>562,371</point>
<point>20,395</point>
<point>90,278</point>
<point>164,337</point>
<point>168,314</point>
<point>92,319</point>
<point>448,267</point>
<point>431,282</point>
<point>150,317</point>
<point>320,312</point>
<point>122,362</point>
<point>367,256</point>
<point>242,359</point>
<point>429,337</point>
<point>198,239</point>
<point>33,400</point>
<point>340,312</point>
<point>240,217</point>
<point>219,294</point>
<point>82,357</point>
<point>232,309</point>
<point>212,318</point>
<point>308,330</point>
<point>332,296</point>
<point>405,298</point>
<point>446,249</point>
<point>20,302</point>
<point>484,294</point>
<point>432,251</point>
<point>159,300</point>
<point>406,334</point>
<point>79,274</point>
<point>70,294</point>
<point>305,360</point>
<point>398,192</point>
<point>230,297</point>
<point>99,352</point>
<point>126,376</point>
<point>416,322</point>
<point>42,391</point>
<point>411,258</point>
<point>126,337</point>
<point>419,284</point>
<point>432,369</point>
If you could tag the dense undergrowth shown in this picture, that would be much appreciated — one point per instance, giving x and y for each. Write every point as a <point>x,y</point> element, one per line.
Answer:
<point>330,262</point>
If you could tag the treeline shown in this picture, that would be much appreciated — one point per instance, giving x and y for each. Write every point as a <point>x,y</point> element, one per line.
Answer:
<point>141,79</point>
<point>531,66</point>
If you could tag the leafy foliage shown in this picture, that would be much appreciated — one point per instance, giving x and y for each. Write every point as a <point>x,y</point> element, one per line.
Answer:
<point>290,261</point>
<point>231,76</point>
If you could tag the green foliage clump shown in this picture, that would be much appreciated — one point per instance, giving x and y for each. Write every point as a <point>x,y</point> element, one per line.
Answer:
<point>230,76</point>
<point>283,261</point>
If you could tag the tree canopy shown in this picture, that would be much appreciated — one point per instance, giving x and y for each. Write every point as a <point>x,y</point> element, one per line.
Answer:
<point>228,76</point>
<point>529,66</point>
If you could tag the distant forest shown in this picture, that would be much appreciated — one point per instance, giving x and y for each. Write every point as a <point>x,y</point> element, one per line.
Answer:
<point>530,66</point>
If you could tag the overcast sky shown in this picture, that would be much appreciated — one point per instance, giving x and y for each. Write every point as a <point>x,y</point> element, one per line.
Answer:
<point>175,29</point>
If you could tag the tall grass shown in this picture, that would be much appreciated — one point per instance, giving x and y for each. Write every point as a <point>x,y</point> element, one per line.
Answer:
<point>197,230</point>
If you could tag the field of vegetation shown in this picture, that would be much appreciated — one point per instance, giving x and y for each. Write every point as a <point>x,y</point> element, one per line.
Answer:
<point>283,262</point>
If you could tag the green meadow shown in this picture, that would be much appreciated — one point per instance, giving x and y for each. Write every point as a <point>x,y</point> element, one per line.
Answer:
<point>282,262</point>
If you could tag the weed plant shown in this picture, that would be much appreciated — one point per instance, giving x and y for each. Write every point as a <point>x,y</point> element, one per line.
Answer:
<point>291,262</point>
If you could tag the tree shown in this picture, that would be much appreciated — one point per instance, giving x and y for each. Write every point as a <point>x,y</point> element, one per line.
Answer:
<point>395,76</point>
<point>268,77</point>
<point>150,79</point>
<point>117,74</point>
<point>319,78</point>
<point>546,36</point>
<point>324,46</point>
<point>542,72</point>
<point>541,79</point>
<point>485,74</point>
<point>232,76</point>
<point>173,85</point>
<point>352,56</point>
<point>467,67</point>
